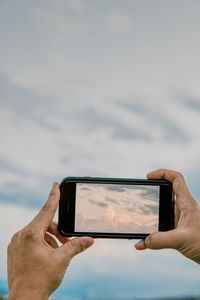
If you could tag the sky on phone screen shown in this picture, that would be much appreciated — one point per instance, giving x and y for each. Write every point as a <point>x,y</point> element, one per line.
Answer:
<point>116,208</point>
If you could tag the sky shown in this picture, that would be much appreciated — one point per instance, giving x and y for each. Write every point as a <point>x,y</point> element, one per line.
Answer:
<point>116,208</point>
<point>99,88</point>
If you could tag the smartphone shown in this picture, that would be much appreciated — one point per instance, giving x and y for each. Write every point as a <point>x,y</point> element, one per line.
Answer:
<point>114,207</point>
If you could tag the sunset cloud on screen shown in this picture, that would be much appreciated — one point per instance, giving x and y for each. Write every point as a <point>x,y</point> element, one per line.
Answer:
<point>116,208</point>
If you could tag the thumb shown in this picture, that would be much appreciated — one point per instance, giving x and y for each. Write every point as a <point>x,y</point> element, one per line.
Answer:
<point>159,240</point>
<point>76,246</point>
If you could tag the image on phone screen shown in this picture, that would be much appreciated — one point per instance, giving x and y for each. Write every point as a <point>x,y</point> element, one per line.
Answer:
<point>115,208</point>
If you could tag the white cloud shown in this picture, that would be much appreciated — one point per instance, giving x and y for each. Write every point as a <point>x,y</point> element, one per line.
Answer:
<point>47,132</point>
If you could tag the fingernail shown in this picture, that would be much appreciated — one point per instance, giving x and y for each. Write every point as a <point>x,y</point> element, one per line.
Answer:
<point>87,242</point>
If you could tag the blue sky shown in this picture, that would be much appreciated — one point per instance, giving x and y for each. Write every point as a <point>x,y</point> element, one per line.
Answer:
<point>99,88</point>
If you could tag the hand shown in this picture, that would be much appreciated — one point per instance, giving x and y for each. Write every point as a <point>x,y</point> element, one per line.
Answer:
<point>186,236</point>
<point>36,265</point>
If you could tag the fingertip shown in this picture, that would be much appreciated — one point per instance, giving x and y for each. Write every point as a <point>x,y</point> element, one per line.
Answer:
<point>140,245</point>
<point>87,242</point>
<point>151,174</point>
<point>158,174</point>
<point>55,185</point>
<point>76,246</point>
<point>148,176</point>
<point>54,190</point>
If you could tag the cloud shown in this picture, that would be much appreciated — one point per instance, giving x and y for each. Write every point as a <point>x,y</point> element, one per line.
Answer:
<point>191,103</point>
<point>95,119</point>
<point>150,209</point>
<point>84,188</point>
<point>150,194</point>
<point>109,199</point>
<point>34,107</point>
<point>145,192</point>
<point>47,136</point>
<point>115,187</point>
<point>26,103</point>
<point>98,203</point>
<point>7,166</point>
<point>14,193</point>
<point>20,186</point>
<point>171,130</point>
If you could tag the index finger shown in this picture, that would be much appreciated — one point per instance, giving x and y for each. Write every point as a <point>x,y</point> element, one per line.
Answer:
<point>176,178</point>
<point>45,216</point>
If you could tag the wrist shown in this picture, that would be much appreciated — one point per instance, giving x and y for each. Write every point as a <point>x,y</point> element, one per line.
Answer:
<point>26,294</point>
<point>20,292</point>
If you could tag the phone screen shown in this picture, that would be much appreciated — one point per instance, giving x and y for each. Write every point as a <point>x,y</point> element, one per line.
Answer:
<point>116,208</point>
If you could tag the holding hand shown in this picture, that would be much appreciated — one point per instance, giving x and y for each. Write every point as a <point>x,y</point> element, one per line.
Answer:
<point>36,264</point>
<point>186,236</point>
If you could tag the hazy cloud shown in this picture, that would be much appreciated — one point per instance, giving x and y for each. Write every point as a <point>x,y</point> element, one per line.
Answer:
<point>26,103</point>
<point>150,194</point>
<point>109,199</point>
<point>20,195</point>
<point>172,131</point>
<point>191,103</point>
<point>84,188</point>
<point>115,187</point>
<point>98,203</point>
<point>144,190</point>
<point>93,119</point>
<point>150,209</point>
<point>7,166</point>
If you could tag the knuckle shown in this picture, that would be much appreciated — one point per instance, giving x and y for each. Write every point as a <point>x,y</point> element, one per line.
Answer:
<point>179,175</point>
<point>14,237</point>
<point>149,241</point>
<point>27,233</point>
<point>13,241</point>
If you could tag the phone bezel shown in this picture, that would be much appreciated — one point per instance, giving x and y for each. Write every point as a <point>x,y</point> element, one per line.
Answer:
<point>66,220</point>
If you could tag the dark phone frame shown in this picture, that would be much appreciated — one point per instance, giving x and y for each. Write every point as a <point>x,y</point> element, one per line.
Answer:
<point>66,217</point>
